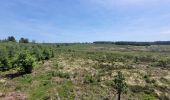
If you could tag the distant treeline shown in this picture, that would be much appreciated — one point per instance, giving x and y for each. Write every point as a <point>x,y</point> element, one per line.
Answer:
<point>12,39</point>
<point>134,43</point>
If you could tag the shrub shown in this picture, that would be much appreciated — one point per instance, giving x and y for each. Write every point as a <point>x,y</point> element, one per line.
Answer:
<point>162,62</point>
<point>25,62</point>
<point>46,54</point>
<point>4,61</point>
<point>4,64</point>
<point>38,54</point>
<point>11,52</point>
<point>11,56</point>
<point>91,79</point>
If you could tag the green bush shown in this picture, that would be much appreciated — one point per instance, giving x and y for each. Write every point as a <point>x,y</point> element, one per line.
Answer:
<point>11,52</point>
<point>38,54</point>
<point>12,56</point>
<point>91,79</point>
<point>25,62</point>
<point>4,61</point>
<point>4,64</point>
<point>46,54</point>
<point>162,62</point>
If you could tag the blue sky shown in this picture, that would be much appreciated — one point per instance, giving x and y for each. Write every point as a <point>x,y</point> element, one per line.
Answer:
<point>85,20</point>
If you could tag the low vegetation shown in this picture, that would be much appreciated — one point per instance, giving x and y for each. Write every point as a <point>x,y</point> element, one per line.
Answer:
<point>31,71</point>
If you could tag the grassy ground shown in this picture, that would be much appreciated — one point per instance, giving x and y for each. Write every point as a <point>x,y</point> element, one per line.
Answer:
<point>86,72</point>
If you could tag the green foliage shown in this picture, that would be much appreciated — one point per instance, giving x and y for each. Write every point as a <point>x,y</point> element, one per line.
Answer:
<point>26,79</point>
<point>25,62</point>
<point>148,97</point>
<point>143,89</point>
<point>61,74</point>
<point>66,91</point>
<point>11,52</point>
<point>56,66</point>
<point>14,55</point>
<point>162,62</point>
<point>40,91</point>
<point>4,64</point>
<point>37,52</point>
<point>46,54</point>
<point>164,80</point>
<point>50,82</point>
<point>4,61</point>
<point>11,39</point>
<point>23,40</point>
<point>119,83</point>
<point>89,79</point>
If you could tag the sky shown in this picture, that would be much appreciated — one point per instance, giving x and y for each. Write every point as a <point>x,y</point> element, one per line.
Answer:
<point>85,20</point>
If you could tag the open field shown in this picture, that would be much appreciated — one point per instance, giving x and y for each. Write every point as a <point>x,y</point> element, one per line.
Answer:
<point>86,72</point>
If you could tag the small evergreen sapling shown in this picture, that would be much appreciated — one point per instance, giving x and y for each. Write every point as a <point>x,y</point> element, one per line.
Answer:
<point>120,84</point>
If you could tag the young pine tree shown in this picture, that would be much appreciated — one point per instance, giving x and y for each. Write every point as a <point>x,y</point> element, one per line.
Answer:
<point>120,84</point>
<point>4,61</point>
<point>25,62</point>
